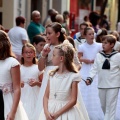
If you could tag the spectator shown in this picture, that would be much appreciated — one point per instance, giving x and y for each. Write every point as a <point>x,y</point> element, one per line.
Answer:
<point>66,15</point>
<point>38,42</point>
<point>59,18</point>
<point>86,18</point>
<point>48,18</point>
<point>100,33</point>
<point>35,27</point>
<point>104,23</point>
<point>53,19</point>
<point>94,18</point>
<point>18,36</point>
<point>79,36</point>
<point>117,43</point>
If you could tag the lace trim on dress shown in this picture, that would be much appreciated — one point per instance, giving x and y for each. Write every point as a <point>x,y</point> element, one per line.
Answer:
<point>61,76</point>
<point>6,88</point>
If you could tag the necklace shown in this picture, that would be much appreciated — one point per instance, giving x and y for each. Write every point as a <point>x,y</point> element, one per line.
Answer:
<point>60,77</point>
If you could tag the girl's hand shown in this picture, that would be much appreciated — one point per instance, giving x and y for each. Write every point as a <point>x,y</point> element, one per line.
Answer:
<point>10,116</point>
<point>92,61</point>
<point>45,51</point>
<point>22,84</point>
<point>55,116</point>
<point>87,61</point>
<point>49,116</point>
<point>32,82</point>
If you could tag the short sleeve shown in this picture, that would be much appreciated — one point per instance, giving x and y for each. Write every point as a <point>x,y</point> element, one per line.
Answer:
<point>76,77</point>
<point>80,48</point>
<point>14,63</point>
<point>24,35</point>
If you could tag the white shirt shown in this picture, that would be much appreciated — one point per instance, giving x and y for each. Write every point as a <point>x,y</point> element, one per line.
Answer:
<point>107,78</point>
<point>16,35</point>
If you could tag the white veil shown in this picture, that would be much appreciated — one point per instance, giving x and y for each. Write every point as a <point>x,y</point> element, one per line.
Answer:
<point>39,104</point>
<point>82,106</point>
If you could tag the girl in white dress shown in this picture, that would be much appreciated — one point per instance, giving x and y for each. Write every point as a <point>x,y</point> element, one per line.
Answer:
<point>10,81</point>
<point>30,79</point>
<point>62,89</point>
<point>55,36</point>
<point>87,52</point>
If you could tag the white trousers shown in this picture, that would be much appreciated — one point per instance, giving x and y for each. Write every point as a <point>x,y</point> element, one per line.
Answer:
<point>108,99</point>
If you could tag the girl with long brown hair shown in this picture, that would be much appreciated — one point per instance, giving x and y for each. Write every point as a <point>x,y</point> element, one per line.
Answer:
<point>10,81</point>
<point>55,35</point>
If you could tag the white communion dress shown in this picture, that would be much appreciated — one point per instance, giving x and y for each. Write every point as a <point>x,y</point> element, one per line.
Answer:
<point>48,68</point>
<point>59,96</point>
<point>7,87</point>
<point>29,95</point>
<point>90,93</point>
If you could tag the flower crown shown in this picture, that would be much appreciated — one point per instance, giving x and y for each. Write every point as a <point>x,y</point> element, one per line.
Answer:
<point>65,45</point>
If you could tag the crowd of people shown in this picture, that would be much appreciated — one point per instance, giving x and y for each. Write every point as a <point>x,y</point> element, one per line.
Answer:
<point>46,74</point>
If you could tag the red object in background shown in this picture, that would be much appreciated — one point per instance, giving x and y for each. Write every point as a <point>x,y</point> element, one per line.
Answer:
<point>73,14</point>
<point>72,21</point>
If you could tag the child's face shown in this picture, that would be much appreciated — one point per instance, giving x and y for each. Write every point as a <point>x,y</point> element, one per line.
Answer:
<point>82,28</point>
<point>52,37</point>
<point>56,59</point>
<point>28,54</point>
<point>89,36</point>
<point>107,47</point>
<point>39,46</point>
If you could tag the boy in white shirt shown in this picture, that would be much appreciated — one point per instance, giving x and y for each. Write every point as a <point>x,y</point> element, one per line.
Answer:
<point>107,66</point>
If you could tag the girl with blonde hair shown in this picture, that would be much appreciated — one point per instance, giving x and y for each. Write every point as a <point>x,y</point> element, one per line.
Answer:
<point>60,98</point>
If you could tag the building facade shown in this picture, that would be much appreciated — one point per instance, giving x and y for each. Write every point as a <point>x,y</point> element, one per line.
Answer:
<point>10,9</point>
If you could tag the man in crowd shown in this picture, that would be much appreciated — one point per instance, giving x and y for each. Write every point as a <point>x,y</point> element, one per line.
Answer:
<point>18,36</point>
<point>35,27</point>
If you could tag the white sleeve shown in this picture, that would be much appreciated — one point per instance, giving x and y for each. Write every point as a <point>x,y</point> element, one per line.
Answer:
<point>24,35</point>
<point>94,68</point>
<point>14,62</point>
<point>76,77</point>
<point>80,48</point>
